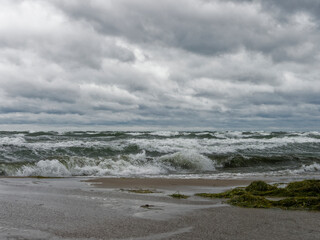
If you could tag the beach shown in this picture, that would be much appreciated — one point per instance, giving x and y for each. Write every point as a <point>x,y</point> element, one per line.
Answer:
<point>148,120</point>
<point>93,208</point>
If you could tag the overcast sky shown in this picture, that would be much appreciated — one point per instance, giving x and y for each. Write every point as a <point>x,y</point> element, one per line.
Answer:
<point>145,64</point>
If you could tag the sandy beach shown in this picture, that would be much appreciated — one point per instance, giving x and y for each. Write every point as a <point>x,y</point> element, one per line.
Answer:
<point>166,183</point>
<point>82,208</point>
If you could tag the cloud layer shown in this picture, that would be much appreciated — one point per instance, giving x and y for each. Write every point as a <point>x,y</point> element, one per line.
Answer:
<point>157,64</point>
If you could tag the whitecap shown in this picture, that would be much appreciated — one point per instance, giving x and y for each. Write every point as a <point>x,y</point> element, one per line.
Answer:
<point>46,168</point>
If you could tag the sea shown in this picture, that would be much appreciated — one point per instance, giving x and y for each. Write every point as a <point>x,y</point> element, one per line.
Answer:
<point>167,154</point>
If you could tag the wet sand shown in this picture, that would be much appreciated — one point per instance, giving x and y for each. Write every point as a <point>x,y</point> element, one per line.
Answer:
<point>73,208</point>
<point>165,183</point>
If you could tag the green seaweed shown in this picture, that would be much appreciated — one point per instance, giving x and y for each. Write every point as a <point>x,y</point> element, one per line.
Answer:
<point>228,194</point>
<point>290,203</point>
<point>141,191</point>
<point>206,195</point>
<point>298,203</point>
<point>304,188</point>
<point>302,195</point>
<point>250,201</point>
<point>260,188</point>
<point>179,196</point>
<point>294,189</point>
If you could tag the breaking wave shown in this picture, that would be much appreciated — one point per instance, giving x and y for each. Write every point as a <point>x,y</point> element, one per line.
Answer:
<point>124,165</point>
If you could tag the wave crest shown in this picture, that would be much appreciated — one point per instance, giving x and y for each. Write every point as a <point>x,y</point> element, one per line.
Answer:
<point>315,167</point>
<point>188,161</point>
<point>45,168</point>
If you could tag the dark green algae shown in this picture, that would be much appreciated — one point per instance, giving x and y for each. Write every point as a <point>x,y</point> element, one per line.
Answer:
<point>179,196</point>
<point>302,195</point>
<point>141,191</point>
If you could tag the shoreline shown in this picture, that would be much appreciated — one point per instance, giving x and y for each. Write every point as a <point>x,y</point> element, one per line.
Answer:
<point>84,208</point>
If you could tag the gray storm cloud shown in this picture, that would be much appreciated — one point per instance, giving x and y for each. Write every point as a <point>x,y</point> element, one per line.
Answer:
<point>160,64</point>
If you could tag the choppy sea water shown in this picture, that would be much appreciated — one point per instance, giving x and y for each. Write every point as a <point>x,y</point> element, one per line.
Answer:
<point>160,154</point>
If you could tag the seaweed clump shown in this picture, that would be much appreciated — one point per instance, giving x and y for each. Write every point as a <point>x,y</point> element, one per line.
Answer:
<point>297,195</point>
<point>228,194</point>
<point>179,196</point>
<point>311,203</point>
<point>250,201</point>
<point>260,188</point>
<point>142,191</point>
<point>304,188</point>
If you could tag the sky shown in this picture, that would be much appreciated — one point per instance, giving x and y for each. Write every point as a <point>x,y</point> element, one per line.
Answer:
<point>141,64</point>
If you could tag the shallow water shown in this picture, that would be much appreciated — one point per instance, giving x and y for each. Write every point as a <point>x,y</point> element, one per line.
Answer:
<point>228,154</point>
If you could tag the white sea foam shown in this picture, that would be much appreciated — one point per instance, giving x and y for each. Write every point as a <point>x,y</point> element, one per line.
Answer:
<point>135,133</point>
<point>164,133</point>
<point>315,167</point>
<point>17,140</point>
<point>168,145</point>
<point>168,166</point>
<point>304,169</point>
<point>208,146</point>
<point>230,142</point>
<point>47,168</point>
<point>122,165</point>
<point>189,160</point>
<point>315,133</point>
<point>47,145</point>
